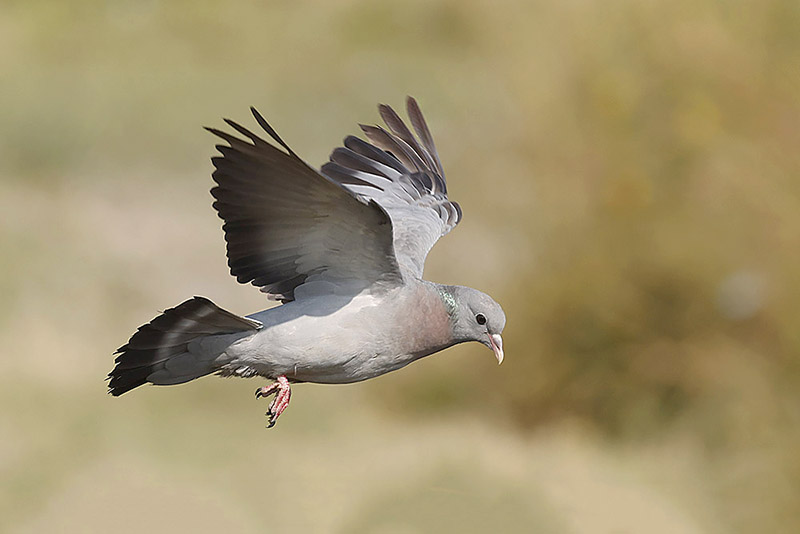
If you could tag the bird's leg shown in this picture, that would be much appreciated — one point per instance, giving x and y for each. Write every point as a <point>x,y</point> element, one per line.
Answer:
<point>282,391</point>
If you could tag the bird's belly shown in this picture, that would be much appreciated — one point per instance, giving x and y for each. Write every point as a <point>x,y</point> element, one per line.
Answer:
<point>331,361</point>
<point>358,341</point>
<point>354,369</point>
<point>314,349</point>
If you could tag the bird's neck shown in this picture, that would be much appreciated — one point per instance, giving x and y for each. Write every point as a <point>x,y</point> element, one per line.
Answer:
<point>448,300</point>
<point>431,308</point>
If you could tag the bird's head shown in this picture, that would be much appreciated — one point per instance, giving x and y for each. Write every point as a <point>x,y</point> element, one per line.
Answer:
<point>475,316</point>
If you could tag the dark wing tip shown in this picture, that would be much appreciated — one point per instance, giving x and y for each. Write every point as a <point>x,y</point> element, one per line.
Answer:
<point>424,133</point>
<point>219,133</point>
<point>270,130</point>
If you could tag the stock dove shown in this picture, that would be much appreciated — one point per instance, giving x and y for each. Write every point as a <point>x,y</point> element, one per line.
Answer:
<point>342,249</point>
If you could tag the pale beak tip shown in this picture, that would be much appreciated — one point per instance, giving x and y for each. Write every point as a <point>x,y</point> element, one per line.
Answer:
<point>497,347</point>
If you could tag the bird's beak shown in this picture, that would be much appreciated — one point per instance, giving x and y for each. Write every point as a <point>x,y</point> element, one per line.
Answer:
<point>497,346</point>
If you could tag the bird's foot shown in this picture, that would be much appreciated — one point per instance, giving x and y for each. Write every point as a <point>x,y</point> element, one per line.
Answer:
<point>282,391</point>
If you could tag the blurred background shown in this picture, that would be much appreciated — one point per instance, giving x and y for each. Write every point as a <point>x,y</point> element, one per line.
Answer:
<point>629,172</point>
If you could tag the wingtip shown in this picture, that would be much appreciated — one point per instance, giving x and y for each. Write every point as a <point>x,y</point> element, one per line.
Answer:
<point>412,106</point>
<point>271,131</point>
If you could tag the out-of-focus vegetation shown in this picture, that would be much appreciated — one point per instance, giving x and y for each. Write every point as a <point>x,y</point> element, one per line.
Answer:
<point>630,177</point>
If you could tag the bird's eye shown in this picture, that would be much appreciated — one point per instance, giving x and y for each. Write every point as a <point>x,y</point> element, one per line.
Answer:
<point>481,318</point>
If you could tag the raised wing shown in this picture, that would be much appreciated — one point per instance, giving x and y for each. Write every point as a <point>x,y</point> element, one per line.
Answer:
<point>405,177</point>
<point>286,225</point>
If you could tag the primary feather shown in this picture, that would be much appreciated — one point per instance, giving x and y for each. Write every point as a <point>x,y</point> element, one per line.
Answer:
<point>404,177</point>
<point>287,225</point>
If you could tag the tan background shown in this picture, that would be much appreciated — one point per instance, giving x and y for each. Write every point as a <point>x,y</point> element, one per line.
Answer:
<point>629,173</point>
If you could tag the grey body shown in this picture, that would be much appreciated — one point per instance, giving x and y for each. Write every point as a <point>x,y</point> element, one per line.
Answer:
<point>304,341</point>
<point>343,250</point>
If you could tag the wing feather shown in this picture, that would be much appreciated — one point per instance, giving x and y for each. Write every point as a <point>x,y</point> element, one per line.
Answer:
<point>404,175</point>
<point>286,224</point>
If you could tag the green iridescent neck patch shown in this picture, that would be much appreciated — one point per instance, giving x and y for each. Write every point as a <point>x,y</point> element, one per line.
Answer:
<point>449,301</point>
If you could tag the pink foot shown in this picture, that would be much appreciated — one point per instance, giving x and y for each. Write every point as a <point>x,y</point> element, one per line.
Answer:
<point>283,392</point>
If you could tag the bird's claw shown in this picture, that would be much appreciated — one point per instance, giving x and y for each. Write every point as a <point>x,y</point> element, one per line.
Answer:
<point>283,394</point>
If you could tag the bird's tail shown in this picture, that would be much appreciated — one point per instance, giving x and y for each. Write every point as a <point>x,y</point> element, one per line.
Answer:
<point>160,353</point>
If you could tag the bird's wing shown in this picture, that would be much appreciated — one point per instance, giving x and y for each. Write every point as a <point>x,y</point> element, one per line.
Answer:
<point>404,176</point>
<point>286,225</point>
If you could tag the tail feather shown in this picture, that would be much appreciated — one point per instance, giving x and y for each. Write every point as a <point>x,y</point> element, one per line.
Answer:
<point>158,352</point>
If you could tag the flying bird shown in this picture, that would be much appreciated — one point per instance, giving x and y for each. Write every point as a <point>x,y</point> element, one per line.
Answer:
<point>342,249</point>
